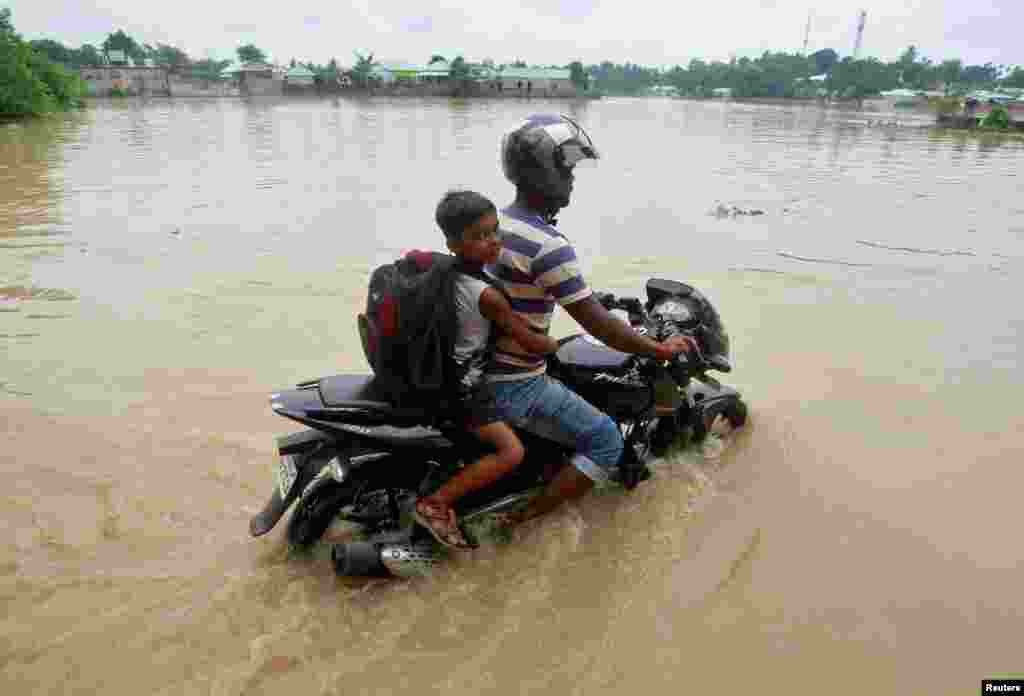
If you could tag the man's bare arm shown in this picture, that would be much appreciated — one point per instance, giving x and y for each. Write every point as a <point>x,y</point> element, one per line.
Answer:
<point>613,332</point>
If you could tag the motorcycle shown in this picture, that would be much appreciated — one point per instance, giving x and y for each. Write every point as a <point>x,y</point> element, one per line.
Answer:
<point>365,461</point>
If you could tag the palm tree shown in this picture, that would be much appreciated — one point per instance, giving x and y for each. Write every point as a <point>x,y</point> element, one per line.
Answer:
<point>362,69</point>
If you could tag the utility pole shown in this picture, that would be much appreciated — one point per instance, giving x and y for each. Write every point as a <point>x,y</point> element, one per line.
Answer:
<point>861,19</point>
<point>807,32</point>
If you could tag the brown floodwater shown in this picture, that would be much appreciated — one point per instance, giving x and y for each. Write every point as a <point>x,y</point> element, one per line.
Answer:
<point>165,265</point>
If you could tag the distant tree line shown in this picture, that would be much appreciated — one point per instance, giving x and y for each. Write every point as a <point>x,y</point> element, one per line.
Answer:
<point>773,74</point>
<point>785,75</point>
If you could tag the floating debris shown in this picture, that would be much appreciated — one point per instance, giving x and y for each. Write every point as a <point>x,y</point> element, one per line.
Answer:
<point>755,269</point>
<point>7,390</point>
<point>23,292</point>
<point>722,211</point>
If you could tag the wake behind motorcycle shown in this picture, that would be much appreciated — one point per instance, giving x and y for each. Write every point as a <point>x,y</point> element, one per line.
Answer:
<point>365,461</point>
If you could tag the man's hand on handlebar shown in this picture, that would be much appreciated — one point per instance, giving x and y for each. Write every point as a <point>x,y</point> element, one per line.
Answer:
<point>674,345</point>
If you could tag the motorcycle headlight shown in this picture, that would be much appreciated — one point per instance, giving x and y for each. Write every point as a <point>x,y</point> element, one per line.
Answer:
<point>674,310</point>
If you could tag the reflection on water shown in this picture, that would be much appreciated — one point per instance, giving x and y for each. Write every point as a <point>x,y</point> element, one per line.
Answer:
<point>29,181</point>
<point>165,264</point>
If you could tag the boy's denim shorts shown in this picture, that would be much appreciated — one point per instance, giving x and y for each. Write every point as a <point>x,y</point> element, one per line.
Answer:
<point>545,407</point>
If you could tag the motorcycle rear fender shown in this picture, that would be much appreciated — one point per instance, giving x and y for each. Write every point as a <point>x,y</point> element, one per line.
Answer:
<point>323,456</point>
<point>315,450</point>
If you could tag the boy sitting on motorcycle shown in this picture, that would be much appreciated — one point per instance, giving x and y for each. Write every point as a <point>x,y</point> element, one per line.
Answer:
<point>470,225</point>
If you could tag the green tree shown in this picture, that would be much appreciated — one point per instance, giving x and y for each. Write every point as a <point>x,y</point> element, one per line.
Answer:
<point>1015,78</point>
<point>87,54</point>
<point>249,53</point>
<point>170,57</point>
<point>54,51</point>
<point>824,60</point>
<point>119,41</point>
<point>330,73</point>
<point>208,69</point>
<point>459,70</point>
<point>986,74</point>
<point>63,85</point>
<point>625,79</point>
<point>857,79</point>
<point>951,71</point>
<point>519,64</point>
<point>437,58</point>
<point>914,73</point>
<point>998,118</point>
<point>362,69</point>
<point>30,84</point>
<point>578,75</point>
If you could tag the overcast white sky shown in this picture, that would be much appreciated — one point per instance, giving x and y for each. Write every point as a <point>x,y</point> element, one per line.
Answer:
<point>648,32</point>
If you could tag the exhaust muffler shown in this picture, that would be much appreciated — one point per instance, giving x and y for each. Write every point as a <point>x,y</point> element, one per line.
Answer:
<point>403,560</point>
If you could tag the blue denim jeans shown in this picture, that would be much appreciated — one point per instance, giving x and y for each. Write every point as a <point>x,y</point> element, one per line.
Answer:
<point>546,407</point>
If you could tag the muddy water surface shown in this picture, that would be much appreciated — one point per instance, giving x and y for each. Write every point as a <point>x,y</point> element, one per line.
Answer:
<point>165,265</point>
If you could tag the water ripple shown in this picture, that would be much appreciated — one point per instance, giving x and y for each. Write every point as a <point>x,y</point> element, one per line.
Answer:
<point>915,250</point>
<point>811,259</point>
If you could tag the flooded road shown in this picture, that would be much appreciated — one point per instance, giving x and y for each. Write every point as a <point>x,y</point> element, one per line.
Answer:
<point>166,265</point>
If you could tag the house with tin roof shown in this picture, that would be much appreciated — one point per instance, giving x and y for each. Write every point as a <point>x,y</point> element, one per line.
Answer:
<point>299,76</point>
<point>255,79</point>
<point>531,80</point>
<point>488,78</point>
<point>438,71</point>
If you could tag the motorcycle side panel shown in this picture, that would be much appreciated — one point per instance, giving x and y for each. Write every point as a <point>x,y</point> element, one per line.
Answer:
<point>601,376</point>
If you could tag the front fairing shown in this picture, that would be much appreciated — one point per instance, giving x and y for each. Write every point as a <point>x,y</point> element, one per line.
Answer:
<point>686,307</point>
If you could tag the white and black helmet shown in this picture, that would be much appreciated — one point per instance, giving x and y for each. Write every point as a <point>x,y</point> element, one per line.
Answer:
<point>539,154</point>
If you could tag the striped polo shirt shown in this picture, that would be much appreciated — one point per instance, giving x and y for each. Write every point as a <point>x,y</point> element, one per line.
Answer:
<point>537,267</point>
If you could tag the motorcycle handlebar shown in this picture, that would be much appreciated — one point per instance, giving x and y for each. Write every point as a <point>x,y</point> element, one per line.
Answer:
<point>682,366</point>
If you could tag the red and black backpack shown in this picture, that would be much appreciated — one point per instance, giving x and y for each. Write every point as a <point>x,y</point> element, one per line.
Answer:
<point>408,330</point>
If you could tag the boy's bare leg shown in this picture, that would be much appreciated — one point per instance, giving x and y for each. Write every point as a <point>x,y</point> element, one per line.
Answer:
<point>487,469</point>
<point>435,511</point>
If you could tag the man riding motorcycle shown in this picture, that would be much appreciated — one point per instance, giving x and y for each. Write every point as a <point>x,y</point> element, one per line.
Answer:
<point>537,267</point>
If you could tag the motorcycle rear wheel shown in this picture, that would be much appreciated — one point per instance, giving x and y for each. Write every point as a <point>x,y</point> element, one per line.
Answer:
<point>316,509</point>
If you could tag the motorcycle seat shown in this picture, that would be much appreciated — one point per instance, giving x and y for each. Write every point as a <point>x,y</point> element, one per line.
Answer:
<point>354,404</point>
<point>359,393</point>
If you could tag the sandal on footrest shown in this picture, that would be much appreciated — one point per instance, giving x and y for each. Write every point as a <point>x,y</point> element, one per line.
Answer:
<point>440,522</point>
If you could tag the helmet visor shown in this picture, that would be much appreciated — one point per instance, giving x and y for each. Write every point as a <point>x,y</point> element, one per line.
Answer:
<point>574,151</point>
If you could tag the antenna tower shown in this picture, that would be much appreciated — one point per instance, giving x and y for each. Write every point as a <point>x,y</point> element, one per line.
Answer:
<point>807,32</point>
<point>861,19</point>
